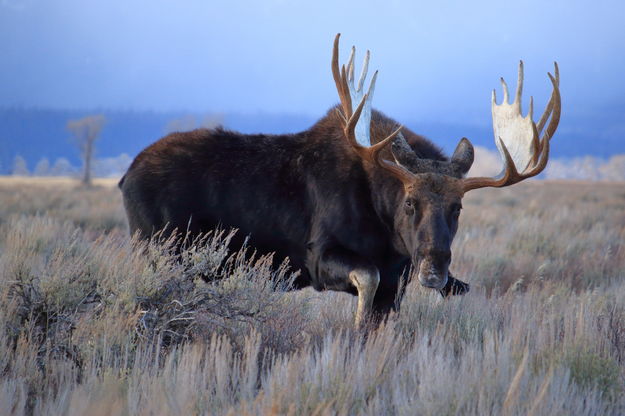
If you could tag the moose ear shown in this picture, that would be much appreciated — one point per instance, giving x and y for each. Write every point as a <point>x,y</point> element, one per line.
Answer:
<point>401,150</point>
<point>404,155</point>
<point>462,158</point>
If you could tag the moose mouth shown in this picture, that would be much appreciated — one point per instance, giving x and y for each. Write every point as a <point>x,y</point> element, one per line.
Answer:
<point>430,276</point>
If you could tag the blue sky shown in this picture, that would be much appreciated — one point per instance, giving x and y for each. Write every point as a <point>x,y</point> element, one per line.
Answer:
<point>438,61</point>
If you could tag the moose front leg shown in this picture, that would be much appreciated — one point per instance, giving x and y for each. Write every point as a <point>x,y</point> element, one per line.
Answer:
<point>366,283</point>
<point>342,270</point>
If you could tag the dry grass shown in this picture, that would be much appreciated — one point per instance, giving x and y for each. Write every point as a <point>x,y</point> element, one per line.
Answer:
<point>89,325</point>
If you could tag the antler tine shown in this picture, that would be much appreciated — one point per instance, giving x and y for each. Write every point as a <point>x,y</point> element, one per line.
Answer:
<point>350,126</point>
<point>350,66</point>
<point>346,100</point>
<point>506,94</point>
<point>339,80</point>
<point>354,127</point>
<point>555,110</point>
<point>377,148</point>
<point>543,157</point>
<point>549,108</point>
<point>363,73</point>
<point>557,106</point>
<point>519,85</point>
<point>398,171</point>
<point>536,146</point>
<point>509,171</point>
<point>530,152</point>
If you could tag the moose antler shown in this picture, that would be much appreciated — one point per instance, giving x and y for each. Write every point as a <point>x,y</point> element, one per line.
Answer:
<point>358,122</point>
<point>517,137</point>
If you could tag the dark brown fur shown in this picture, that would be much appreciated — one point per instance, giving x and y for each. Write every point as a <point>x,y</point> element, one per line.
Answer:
<point>305,196</point>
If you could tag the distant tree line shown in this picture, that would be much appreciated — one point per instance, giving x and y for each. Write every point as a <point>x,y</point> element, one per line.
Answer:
<point>488,163</point>
<point>587,168</point>
<point>101,167</point>
<point>61,167</point>
<point>86,131</point>
<point>591,168</point>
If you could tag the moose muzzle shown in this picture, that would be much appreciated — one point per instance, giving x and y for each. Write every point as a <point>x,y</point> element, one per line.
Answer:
<point>432,275</point>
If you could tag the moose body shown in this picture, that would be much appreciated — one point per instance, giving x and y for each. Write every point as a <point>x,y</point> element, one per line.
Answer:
<point>305,196</point>
<point>349,211</point>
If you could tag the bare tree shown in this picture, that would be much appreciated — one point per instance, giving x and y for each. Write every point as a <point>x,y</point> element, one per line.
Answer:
<point>86,131</point>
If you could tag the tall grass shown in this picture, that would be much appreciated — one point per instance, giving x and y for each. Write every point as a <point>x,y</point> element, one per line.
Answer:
<point>90,323</point>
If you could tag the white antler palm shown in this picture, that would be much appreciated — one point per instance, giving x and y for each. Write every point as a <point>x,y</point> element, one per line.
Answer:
<point>524,152</point>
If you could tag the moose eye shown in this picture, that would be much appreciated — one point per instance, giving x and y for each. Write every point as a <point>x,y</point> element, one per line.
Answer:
<point>455,209</point>
<point>409,206</point>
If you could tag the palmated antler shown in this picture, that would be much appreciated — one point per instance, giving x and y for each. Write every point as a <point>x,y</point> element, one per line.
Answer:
<point>517,137</point>
<point>357,127</point>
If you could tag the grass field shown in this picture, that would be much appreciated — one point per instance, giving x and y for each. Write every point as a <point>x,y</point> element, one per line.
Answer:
<point>89,325</point>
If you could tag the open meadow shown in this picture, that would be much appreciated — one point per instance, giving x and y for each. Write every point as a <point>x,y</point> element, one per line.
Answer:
<point>90,324</point>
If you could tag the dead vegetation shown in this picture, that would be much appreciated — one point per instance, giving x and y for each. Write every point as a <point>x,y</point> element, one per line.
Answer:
<point>90,325</point>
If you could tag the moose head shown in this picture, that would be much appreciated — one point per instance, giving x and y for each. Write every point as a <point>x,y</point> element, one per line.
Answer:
<point>426,212</point>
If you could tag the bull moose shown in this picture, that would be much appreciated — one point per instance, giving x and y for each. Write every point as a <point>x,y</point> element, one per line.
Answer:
<point>353,202</point>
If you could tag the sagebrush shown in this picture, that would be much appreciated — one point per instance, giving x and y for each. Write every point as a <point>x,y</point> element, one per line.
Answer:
<point>92,322</point>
